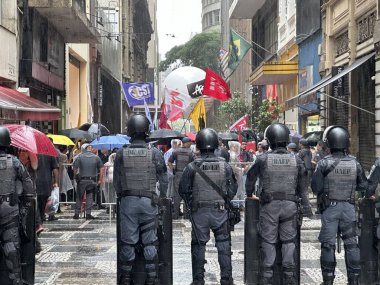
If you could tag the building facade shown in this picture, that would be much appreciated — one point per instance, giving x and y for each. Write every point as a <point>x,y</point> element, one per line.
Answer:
<point>309,39</point>
<point>211,15</point>
<point>376,40</point>
<point>349,28</point>
<point>47,28</point>
<point>137,31</point>
<point>9,38</point>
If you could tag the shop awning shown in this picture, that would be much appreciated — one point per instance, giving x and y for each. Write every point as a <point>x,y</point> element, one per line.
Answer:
<point>277,72</point>
<point>16,106</point>
<point>305,96</point>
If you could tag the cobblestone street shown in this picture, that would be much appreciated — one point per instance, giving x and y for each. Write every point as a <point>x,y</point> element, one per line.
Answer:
<point>84,252</point>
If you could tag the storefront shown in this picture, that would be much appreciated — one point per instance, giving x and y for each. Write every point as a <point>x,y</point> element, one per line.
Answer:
<point>16,107</point>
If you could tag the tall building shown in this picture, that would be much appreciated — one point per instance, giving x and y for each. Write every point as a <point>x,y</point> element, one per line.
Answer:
<point>152,73</point>
<point>137,31</point>
<point>211,15</point>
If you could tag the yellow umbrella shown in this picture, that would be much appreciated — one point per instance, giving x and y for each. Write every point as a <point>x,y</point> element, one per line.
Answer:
<point>61,140</point>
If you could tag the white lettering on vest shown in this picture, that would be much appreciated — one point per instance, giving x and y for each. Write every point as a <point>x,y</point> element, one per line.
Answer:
<point>137,152</point>
<point>281,161</point>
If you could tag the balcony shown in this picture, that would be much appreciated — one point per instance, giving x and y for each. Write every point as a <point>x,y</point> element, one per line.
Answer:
<point>69,19</point>
<point>245,9</point>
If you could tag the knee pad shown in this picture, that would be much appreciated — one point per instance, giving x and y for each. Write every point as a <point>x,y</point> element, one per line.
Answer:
<point>128,252</point>
<point>9,249</point>
<point>11,235</point>
<point>150,252</point>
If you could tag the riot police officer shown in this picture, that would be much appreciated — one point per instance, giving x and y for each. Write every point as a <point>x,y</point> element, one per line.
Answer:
<point>306,156</point>
<point>137,169</point>
<point>87,166</point>
<point>281,174</point>
<point>207,184</point>
<point>182,157</point>
<point>11,171</point>
<point>335,181</point>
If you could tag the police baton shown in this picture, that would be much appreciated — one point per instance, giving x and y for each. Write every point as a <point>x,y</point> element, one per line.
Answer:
<point>192,221</point>
<point>338,241</point>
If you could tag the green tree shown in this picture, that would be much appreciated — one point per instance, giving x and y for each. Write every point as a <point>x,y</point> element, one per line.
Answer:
<point>230,111</point>
<point>201,51</point>
<point>266,114</point>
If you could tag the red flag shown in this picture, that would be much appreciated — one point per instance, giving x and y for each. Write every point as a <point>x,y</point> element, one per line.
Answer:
<point>163,124</point>
<point>176,103</point>
<point>215,86</point>
<point>240,124</point>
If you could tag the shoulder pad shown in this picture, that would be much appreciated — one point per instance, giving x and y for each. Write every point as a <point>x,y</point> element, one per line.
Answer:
<point>351,156</point>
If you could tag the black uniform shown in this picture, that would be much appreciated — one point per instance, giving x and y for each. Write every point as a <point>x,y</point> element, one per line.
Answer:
<point>335,181</point>
<point>306,156</point>
<point>11,171</point>
<point>209,212</point>
<point>89,166</point>
<point>281,175</point>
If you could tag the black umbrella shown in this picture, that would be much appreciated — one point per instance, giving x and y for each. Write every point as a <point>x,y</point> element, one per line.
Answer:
<point>165,134</point>
<point>94,129</point>
<point>313,137</point>
<point>76,134</point>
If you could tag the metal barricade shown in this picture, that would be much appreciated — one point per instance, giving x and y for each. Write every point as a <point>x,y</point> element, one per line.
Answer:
<point>240,170</point>
<point>107,190</point>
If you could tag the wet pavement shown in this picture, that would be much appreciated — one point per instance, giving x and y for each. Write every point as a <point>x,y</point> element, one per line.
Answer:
<point>84,252</point>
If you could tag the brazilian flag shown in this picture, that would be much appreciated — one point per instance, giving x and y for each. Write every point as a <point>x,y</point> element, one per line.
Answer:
<point>238,48</point>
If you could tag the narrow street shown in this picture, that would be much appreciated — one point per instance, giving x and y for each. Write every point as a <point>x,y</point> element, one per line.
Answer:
<point>84,252</point>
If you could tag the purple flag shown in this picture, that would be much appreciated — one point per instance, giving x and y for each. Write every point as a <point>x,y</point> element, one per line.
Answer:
<point>138,92</point>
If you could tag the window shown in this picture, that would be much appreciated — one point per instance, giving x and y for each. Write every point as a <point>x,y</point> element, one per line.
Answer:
<point>43,33</point>
<point>209,16</point>
<point>217,17</point>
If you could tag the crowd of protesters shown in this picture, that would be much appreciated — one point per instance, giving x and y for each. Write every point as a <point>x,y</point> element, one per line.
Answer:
<point>63,171</point>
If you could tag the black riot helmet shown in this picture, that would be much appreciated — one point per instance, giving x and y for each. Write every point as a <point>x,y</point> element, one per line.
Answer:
<point>207,140</point>
<point>5,137</point>
<point>138,125</point>
<point>336,137</point>
<point>277,135</point>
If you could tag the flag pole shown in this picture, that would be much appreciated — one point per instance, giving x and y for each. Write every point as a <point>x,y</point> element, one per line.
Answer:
<point>184,123</point>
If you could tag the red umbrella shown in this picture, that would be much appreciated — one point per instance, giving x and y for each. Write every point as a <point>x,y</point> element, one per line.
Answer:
<point>27,138</point>
<point>191,136</point>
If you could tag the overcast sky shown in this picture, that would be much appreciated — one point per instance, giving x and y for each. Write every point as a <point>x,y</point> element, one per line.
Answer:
<point>180,18</point>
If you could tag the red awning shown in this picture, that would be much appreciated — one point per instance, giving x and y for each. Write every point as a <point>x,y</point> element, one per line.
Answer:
<point>16,106</point>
